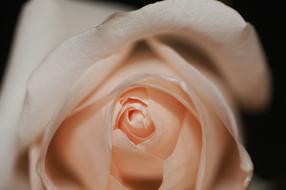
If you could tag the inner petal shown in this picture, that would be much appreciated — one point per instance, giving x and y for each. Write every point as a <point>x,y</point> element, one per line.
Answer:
<point>141,124</point>
<point>136,119</point>
<point>185,159</point>
<point>133,119</point>
<point>148,101</point>
<point>133,167</point>
<point>135,125</point>
<point>167,114</point>
<point>79,155</point>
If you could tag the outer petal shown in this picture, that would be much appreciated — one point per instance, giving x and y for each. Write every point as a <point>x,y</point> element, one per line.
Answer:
<point>76,155</point>
<point>43,25</point>
<point>226,38</point>
<point>181,168</point>
<point>34,178</point>
<point>222,30</point>
<point>219,127</point>
<point>218,30</point>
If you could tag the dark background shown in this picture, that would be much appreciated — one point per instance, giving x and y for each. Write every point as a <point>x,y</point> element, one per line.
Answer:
<point>266,140</point>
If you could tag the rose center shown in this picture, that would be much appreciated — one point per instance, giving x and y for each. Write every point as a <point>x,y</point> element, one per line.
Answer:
<point>139,123</point>
<point>135,122</point>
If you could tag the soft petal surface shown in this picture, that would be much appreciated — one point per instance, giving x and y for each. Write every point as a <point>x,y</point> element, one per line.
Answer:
<point>166,114</point>
<point>181,168</point>
<point>114,184</point>
<point>229,41</point>
<point>222,171</point>
<point>224,33</point>
<point>215,132</point>
<point>136,168</point>
<point>56,20</point>
<point>220,131</point>
<point>34,178</point>
<point>78,155</point>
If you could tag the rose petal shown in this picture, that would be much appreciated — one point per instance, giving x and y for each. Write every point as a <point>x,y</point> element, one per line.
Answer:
<point>140,61</point>
<point>79,90</point>
<point>166,103</point>
<point>135,168</point>
<point>181,168</point>
<point>167,114</point>
<point>221,156</point>
<point>56,20</point>
<point>227,39</point>
<point>113,184</point>
<point>83,138</point>
<point>134,101</point>
<point>198,83</point>
<point>225,35</point>
<point>221,29</point>
<point>219,127</point>
<point>34,178</point>
<point>53,123</point>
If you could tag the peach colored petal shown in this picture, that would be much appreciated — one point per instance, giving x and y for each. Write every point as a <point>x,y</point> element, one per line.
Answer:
<point>167,114</point>
<point>140,61</point>
<point>50,130</point>
<point>56,20</point>
<point>201,62</point>
<point>134,167</point>
<point>132,117</point>
<point>113,184</point>
<point>137,125</point>
<point>219,128</point>
<point>226,38</point>
<point>70,99</point>
<point>198,84</point>
<point>79,153</point>
<point>34,154</point>
<point>225,35</point>
<point>166,103</point>
<point>181,168</point>
<point>221,156</point>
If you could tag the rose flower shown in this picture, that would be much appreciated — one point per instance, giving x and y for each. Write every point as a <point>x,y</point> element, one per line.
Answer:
<point>146,99</point>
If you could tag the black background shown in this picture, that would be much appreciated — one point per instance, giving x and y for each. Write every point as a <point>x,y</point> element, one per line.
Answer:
<point>266,140</point>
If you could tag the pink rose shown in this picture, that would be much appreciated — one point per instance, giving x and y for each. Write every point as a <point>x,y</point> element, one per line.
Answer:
<point>148,99</point>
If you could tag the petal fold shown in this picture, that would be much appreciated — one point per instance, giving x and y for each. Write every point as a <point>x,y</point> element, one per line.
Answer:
<point>134,167</point>
<point>77,154</point>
